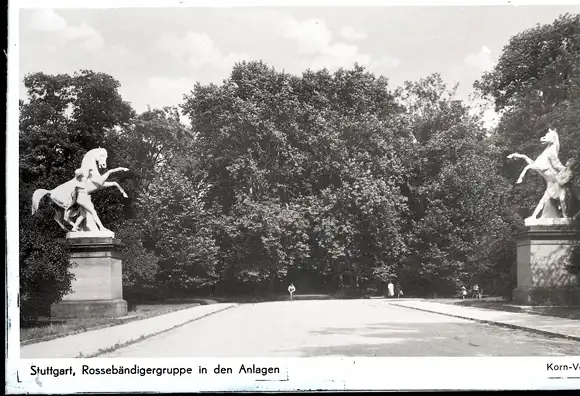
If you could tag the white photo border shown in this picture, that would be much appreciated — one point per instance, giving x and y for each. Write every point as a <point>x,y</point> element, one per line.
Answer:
<point>297,374</point>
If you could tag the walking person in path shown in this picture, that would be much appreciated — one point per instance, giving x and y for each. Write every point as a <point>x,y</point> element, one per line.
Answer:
<point>391,289</point>
<point>291,290</point>
<point>399,291</point>
<point>463,292</point>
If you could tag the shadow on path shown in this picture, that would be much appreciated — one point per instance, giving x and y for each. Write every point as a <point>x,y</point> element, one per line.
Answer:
<point>434,339</point>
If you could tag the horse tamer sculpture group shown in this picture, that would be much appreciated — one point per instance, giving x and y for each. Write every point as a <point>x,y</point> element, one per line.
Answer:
<point>558,179</point>
<point>74,195</point>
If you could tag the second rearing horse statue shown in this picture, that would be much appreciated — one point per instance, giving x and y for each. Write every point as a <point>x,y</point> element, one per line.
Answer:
<point>548,165</point>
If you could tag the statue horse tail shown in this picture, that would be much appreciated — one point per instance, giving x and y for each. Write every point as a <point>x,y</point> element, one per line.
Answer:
<point>36,197</point>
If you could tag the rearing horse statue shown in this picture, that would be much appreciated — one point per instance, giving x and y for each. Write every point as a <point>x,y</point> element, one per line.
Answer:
<point>557,175</point>
<point>86,181</point>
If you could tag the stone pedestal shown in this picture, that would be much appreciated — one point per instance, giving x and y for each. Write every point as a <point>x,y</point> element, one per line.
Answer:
<point>543,254</point>
<point>97,290</point>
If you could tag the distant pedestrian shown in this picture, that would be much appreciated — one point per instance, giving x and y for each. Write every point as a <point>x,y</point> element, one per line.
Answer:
<point>391,289</point>
<point>291,290</point>
<point>463,292</point>
<point>399,291</point>
<point>476,293</point>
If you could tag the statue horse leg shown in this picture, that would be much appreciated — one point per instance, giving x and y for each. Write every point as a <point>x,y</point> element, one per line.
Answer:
<point>541,205</point>
<point>522,156</point>
<point>100,181</point>
<point>114,184</point>
<point>521,178</point>
<point>78,222</point>
<point>563,204</point>
<point>529,161</point>
<point>84,221</point>
<point>57,213</point>
<point>58,218</point>
<point>67,215</point>
<point>87,205</point>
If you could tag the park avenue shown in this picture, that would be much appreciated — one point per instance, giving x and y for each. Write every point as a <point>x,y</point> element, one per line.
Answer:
<point>335,328</point>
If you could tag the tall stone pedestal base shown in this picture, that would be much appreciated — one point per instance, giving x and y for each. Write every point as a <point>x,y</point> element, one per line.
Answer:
<point>97,290</point>
<point>542,256</point>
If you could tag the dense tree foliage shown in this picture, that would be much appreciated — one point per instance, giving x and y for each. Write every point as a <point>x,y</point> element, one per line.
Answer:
<point>305,171</point>
<point>536,85</point>
<point>64,117</point>
<point>335,181</point>
<point>456,194</point>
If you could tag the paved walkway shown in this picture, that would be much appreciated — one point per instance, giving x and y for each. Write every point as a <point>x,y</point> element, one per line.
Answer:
<point>315,328</point>
<point>341,328</point>
<point>92,342</point>
<point>568,328</point>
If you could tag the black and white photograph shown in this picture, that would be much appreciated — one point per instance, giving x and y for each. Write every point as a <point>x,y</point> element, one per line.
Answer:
<point>251,188</point>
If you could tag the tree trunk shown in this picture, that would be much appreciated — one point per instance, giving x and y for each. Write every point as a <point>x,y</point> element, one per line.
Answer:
<point>272,285</point>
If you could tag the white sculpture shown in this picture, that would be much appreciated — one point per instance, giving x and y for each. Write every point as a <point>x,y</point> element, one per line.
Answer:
<point>556,174</point>
<point>76,191</point>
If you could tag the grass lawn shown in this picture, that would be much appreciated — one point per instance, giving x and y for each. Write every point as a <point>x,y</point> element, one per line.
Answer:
<point>502,305</point>
<point>44,330</point>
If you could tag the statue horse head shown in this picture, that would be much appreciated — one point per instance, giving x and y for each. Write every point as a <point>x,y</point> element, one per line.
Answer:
<point>94,159</point>
<point>551,138</point>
